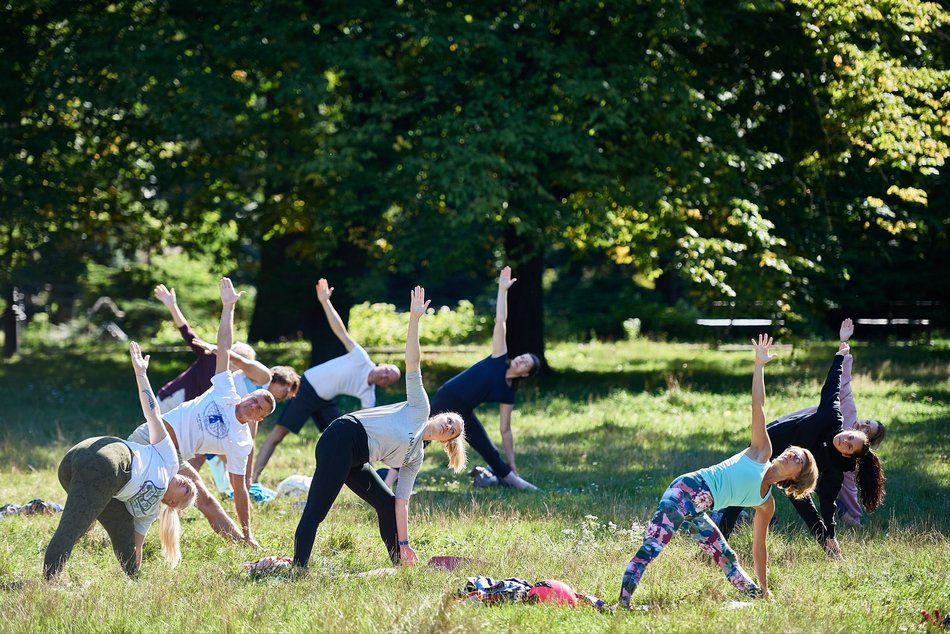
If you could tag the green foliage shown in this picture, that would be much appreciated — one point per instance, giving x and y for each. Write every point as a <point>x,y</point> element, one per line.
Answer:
<point>381,325</point>
<point>752,149</point>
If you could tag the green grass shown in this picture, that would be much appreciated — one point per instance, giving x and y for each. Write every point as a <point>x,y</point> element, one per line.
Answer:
<point>603,437</point>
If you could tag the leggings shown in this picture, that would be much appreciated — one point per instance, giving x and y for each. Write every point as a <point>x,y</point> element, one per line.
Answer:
<point>92,472</point>
<point>685,503</point>
<point>342,456</point>
<point>475,432</point>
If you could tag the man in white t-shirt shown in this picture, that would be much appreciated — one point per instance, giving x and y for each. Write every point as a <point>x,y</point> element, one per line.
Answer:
<point>217,422</point>
<point>353,374</point>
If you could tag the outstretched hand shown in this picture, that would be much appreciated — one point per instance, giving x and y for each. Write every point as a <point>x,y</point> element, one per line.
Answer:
<point>846,330</point>
<point>505,280</point>
<point>229,296</point>
<point>165,295</point>
<point>324,290</point>
<point>139,363</point>
<point>417,302</point>
<point>761,347</point>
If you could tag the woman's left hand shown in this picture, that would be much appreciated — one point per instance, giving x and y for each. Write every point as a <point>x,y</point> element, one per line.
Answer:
<point>505,280</point>
<point>139,362</point>
<point>407,556</point>
<point>417,302</point>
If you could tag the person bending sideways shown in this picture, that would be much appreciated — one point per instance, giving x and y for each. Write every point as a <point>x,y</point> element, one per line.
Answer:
<point>126,486</point>
<point>353,374</point>
<point>392,434</point>
<point>745,479</point>
<point>837,452</point>
<point>494,379</point>
<point>249,374</point>
<point>217,423</point>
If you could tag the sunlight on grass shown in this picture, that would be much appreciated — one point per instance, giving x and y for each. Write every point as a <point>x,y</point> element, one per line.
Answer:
<point>603,436</point>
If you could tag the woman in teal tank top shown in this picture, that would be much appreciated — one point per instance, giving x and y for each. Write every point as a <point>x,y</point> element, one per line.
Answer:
<point>746,477</point>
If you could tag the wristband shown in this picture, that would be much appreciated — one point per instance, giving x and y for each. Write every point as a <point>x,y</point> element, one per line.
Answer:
<point>403,542</point>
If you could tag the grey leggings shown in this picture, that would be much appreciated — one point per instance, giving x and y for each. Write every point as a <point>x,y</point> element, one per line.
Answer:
<point>92,472</point>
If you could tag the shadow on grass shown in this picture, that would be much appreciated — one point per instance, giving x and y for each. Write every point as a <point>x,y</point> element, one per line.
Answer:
<point>55,399</point>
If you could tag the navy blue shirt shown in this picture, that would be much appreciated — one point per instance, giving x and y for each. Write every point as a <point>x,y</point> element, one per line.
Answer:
<point>484,382</point>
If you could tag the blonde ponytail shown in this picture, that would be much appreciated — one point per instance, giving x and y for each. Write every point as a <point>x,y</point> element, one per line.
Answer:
<point>455,450</point>
<point>169,531</point>
<point>169,527</point>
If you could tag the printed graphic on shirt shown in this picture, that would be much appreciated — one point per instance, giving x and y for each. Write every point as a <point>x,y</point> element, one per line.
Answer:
<point>412,446</point>
<point>145,499</point>
<point>212,421</point>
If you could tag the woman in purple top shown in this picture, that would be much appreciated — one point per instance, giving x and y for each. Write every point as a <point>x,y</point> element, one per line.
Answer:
<point>491,380</point>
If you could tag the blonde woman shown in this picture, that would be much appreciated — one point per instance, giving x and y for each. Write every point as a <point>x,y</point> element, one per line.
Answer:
<point>745,479</point>
<point>120,483</point>
<point>392,434</point>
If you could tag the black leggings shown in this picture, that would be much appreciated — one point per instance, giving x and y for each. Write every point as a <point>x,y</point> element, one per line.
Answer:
<point>342,456</point>
<point>475,432</point>
<point>727,520</point>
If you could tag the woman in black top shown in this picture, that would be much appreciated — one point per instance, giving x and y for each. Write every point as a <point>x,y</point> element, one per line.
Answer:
<point>491,380</point>
<point>836,451</point>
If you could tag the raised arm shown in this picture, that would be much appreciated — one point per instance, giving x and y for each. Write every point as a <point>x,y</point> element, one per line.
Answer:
<point>257,372</point>
<point>324,291</point>
<point>229,298</point>
<point>417,308</point>
<point>760,438</point>
<point>849,411</point>
<point>499,341</point>
<point>167,297</point>
<point>156,429</point>
<point>832,387</point>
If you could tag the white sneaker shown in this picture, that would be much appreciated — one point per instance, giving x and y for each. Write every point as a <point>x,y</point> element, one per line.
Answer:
<point>515,481</point>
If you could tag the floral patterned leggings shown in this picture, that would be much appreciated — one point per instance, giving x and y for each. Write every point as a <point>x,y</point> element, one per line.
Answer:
<point>685,503</point>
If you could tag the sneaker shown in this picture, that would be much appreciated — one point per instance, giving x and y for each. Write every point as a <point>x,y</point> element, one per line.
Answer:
<point>850,520</point>
<point>482,477</point>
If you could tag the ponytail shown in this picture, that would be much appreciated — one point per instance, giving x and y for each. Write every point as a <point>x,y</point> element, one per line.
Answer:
<point>169,527</point>
<point>869,475</point>
<point>169,530</point>
<point>455,448</point>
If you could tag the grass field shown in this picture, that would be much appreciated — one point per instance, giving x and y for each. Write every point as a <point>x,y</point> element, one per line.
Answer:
<point>603,437</point>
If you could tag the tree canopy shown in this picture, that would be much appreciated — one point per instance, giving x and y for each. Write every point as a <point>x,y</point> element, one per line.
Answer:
<point>757,151</point>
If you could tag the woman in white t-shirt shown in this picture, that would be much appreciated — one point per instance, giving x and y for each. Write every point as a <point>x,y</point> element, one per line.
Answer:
<point>121,483</point>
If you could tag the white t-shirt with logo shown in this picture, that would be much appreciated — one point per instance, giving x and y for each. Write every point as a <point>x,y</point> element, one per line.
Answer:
<point>347,375</point>
<point>208,424</point>
<point>152,469</point>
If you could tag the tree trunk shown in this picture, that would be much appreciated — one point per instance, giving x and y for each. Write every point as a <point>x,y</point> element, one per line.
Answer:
<point>526,297</point>
<point>287,306</point>
<point>12,318</point>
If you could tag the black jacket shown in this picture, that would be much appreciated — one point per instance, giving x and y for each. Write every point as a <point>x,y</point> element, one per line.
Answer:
<point>816,432</point>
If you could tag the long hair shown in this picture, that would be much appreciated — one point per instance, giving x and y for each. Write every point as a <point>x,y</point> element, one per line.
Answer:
<point>169,529</point>
<point>803,484</point>
<point>455,448</point>
<point>869,476</point>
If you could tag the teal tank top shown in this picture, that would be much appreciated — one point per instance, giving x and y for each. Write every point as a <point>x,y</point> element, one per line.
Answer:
<point>736,481</point>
